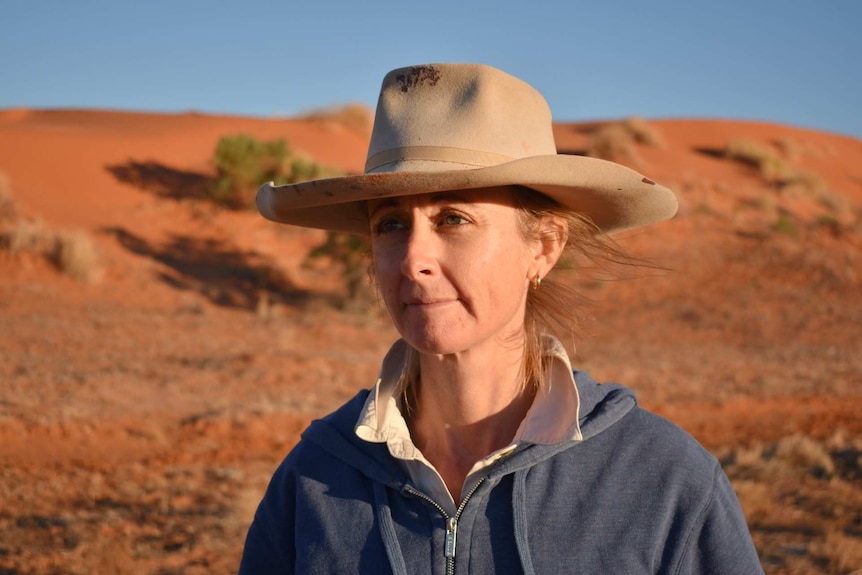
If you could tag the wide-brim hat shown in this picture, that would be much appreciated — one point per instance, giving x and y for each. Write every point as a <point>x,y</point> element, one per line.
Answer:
<point>445,127</point>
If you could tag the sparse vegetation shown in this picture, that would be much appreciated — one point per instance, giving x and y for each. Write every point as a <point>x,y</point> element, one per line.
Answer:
<point>829,222</point>
<point>773,168</point>
<point>785,225</point>
<point>803,183</point>
<point>763,159</point>
<point>617,141</point>
<point>8,206</point>
<point>351,253</point>
<point>70,251</point>
<point>642,132</point>
<point>614,143</point>
<point>768,478</point>
<point>29,236</point>
<point>789,149</point>
<point>751,345</point>
<point>75,255</point>
<point>243,163</point>
<point>357,117</point>
<point>843,551</point>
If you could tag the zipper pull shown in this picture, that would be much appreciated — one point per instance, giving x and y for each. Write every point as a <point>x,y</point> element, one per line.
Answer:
<point>451,537</point>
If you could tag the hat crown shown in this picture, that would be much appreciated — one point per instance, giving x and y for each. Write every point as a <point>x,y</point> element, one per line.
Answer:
<point>440,117</point>
<point>444,127</point>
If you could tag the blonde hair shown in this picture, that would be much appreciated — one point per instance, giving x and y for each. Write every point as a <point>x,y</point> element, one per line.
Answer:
<point>555,307</point>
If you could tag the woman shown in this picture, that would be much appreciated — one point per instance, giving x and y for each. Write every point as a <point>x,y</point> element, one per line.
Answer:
<point>479,449</point>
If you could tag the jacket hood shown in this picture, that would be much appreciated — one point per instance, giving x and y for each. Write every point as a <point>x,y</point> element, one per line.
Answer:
<point>601,406</point>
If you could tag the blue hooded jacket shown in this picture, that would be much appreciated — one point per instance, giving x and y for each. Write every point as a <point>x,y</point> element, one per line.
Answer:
<point>636,495</point>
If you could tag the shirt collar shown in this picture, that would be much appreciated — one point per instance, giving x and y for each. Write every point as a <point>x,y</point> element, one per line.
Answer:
<point>551,419</point>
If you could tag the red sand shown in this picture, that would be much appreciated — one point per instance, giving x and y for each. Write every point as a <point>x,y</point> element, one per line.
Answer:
<point>141,416</point>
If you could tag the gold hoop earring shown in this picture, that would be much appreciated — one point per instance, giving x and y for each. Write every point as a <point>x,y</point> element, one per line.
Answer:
<point>537,281</point>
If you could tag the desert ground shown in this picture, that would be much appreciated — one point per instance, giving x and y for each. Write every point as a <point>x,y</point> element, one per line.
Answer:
<point>147,393</point>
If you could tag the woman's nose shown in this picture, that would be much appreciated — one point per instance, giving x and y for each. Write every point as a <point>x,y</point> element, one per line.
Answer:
<point>420,258</point>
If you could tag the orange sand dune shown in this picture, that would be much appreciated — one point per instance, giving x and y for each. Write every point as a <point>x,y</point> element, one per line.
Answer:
<point>141,416</point>
<point>59,160</point>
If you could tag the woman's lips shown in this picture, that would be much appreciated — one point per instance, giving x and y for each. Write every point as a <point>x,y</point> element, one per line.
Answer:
<point>428,303</point>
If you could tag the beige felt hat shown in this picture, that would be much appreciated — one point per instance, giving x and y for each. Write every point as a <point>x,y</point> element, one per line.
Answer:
<point>443,127</point>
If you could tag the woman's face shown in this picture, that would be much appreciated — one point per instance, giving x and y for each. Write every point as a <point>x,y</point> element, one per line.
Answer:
<point>453,268</point>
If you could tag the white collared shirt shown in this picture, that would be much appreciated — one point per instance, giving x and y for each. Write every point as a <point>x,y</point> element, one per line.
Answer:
<point>551,419</point>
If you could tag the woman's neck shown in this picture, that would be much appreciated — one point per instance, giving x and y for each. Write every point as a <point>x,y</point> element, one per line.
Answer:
<point>468,406</point>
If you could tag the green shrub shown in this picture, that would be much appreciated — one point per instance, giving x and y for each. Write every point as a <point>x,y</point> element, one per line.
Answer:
<point>302,170</point>
<point>243,163</point>
<point>785,225</point>
<point>350,252</point>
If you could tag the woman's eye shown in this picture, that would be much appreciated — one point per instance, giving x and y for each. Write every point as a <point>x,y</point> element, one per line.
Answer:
<point>386,225</point>
<point>454,220</point>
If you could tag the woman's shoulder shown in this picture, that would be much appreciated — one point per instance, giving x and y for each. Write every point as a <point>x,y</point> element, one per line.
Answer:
<point>615,407</point>
<point>665,449</point>
<point>613,421</point>
<point>654,426</point>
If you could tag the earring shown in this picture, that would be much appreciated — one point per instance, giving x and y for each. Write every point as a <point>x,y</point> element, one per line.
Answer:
<point>536,282</point>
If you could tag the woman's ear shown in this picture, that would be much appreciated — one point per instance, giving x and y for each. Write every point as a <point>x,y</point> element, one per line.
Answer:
<point>551,240</point>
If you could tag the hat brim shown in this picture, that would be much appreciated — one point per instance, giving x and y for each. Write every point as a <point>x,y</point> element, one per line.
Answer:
<point>615,197</point>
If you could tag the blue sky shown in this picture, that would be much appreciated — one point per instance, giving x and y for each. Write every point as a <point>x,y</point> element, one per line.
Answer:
<point>793,62</point>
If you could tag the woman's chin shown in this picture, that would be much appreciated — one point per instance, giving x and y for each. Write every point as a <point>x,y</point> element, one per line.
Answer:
<point>433,346</point>
<point>434,342</point>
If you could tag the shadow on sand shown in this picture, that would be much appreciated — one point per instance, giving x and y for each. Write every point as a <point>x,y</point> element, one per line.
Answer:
<point>162,180</point>
<point>226,276</point>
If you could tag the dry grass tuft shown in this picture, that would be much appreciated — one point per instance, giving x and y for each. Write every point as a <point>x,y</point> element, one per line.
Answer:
<point>72,252</point>
<point>642,132</point>
<point>76,255</point>
<point>803,183</point>
<point>775,167</point>
<point>755,499</point>
<point>617,141</point>
<point>790,149</point>
<point>614,143</point>
<point>9,211</point>
<point>821,526</point>
<point>30,236</point>
<point>762,158</point>
<point>357,117</point>
<point>843,551</point>
<point>805,454</point>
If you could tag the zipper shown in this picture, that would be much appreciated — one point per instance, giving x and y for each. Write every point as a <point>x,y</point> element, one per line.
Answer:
<point>451,538</point>
<point>451,522</point>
